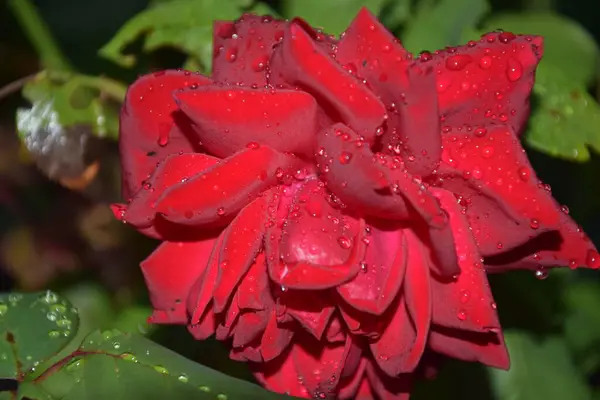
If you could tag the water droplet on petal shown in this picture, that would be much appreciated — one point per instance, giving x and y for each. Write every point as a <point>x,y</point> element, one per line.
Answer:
<point>534,223</point>
<point>220,211</point>
<point>514,70</point>
<point>344,242</point>
<point>457,62</point>
<point>461,315</point>
<point>593,259</point>
<point>485,62</point>
<point>524,173</point>
<point>541,273</point>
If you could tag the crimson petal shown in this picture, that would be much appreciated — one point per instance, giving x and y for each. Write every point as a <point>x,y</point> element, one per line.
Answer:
<point>465,302</point>
<point>489,80</point>
<point>276,338</point>
<point>300,62</point>
<point>498,163</point>
<point>140,211</point>
<point>242,49</point>
<point>241,244</point>
<point>249,327</point>
<point>319,365</point>
<point>368,48</point>
<point>169,272</point>
<point>311,309</point>
<point>386,387</point>
<point>402,342</point>
<point>254,291</point>
<point>485,347</point>
<point>569,245</point>
<point>150,128</point>
<point>231,118</point>
<point>220,192</point>
<point>383,272</point>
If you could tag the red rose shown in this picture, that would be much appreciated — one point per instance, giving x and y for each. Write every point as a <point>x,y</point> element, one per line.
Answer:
<point>332,206</point>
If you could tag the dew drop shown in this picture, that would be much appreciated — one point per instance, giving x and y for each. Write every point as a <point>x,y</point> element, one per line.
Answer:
<point>593,259</point>
<point>534,223</point>
<point>457,62</point>
<point>541,273</point>
<point>344,242</point>
<point>514,70</point>
<point>345,157</point>
<point>565,209</point>
<point>524,173</point>
<point>220,211</point>
<point>487,152</point>
<point>183,378</point>
<point>461,315</point>
<point>485,62</point>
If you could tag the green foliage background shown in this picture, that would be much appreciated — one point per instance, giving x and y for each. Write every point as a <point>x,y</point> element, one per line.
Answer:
<point>78,59</point>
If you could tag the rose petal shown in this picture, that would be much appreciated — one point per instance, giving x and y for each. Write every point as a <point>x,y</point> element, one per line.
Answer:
<point>499,163</point>
<point>383,271</point>
<point>354,174</point>
<point>275,339</point>
<point>402,341</point>
<point>205,327</point>
<point>229,323</point>
<point>231,118</point>
<point>349,387</point>
<point>169,272</point>
<point>219,193</point>
<point>173,170</point>
<point>250,326</point>
<point>465,302</point>
<point>319,366</point>
<point>568,245</point>
<point>280,376</point>
<point>409,94</point>
<point>386,387</point>
<point>241,244</point>
<point>254,291</point>
<point>150,127</point>
<point>487,348</point>
<point>243,48</point>
<point>300,62</point>
<point>312,310</point>
<point>202,289</point>
<point>488,80</point>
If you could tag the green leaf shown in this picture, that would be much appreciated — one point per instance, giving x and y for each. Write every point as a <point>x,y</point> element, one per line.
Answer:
<point>441,23</point>
<point>582,326</point>
<point>539,370</point>
<point>33,328</point>
<point>565,119</point>
<point>185,25</point>
<point>133,367</point>
<point>567,45</point>
<point>395,13</point>
<point>333,16</point>
<point>69,112</point>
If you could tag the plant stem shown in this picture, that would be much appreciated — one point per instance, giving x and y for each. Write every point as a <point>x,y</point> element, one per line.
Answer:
<point>39,35</point>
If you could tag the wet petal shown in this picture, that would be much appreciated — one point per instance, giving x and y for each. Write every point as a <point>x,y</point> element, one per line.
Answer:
<point>205,327</point>
<point>250,326</point>
<point>319,365</point>
<point>498,163</point>
<point>487,348</point>
<point>176,168</point>
<point>383,269</point>
<point>402,342</point>
<point>254,291</point>
<point>150,126</point>
<point>241,244</point>
<point>465,302</point>
<point>202,289</point>
<point>567,246</point>
<point>311,309</point>
<point>242,49</point>
<point>386,387</point>
<point>488,80</point>
<point>231,118</point>
<point>275,339</point>
<point>317,247</point>
<point>169,272</point>
<point>220,192</point>
<point>354,174</point>
<point>298,61</point>
<point>280,376</point>
<point>374,54</point>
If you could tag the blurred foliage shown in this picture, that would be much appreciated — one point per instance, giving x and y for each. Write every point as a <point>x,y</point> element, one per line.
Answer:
<point>58,175</point>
